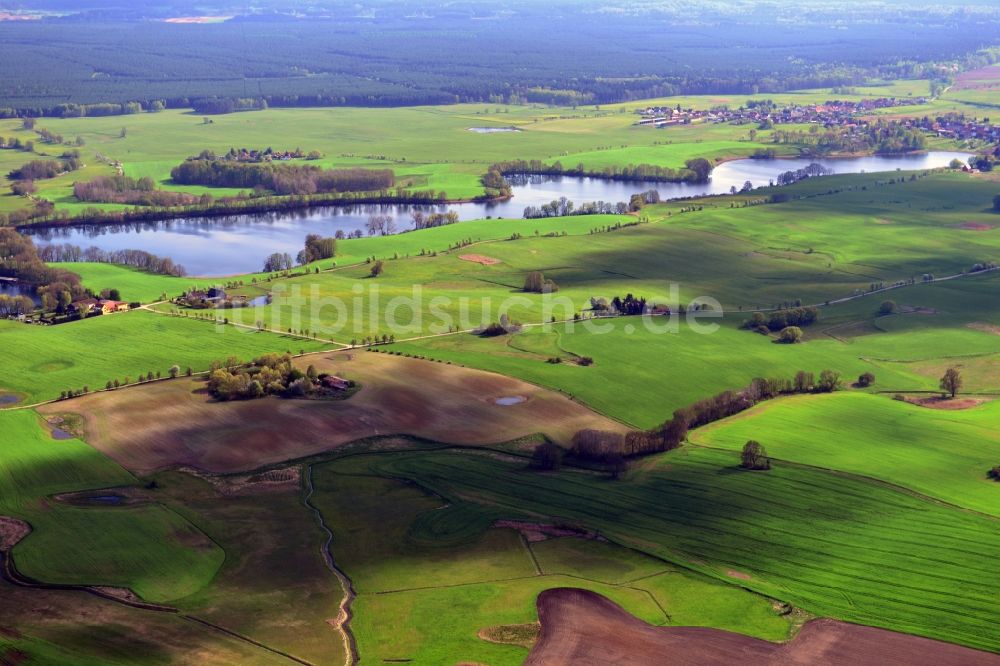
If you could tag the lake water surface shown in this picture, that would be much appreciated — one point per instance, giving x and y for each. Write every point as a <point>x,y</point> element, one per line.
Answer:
<point>239,244</point>
<point>17,289</point>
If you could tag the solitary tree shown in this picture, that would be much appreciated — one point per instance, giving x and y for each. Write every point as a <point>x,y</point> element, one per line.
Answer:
<point>754,456</point>
<point>377,268</point>
<point>865,380</point>
<point>829,381</point>
<point>951,382</point>
<point>887,308</point>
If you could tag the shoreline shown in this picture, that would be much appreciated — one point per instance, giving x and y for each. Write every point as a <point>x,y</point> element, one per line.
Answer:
<point>289,203</point>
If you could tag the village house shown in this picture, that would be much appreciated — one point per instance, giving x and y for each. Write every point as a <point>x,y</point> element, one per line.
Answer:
<point>335,383</point>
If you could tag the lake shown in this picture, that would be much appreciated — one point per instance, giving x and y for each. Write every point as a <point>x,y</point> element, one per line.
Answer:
<point>239,244</point>
<point>17,289</point>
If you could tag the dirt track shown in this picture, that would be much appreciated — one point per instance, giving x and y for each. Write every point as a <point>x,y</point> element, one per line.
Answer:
<point>583,628</point>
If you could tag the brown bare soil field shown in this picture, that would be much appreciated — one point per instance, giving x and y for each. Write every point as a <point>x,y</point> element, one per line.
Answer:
<point>975,226</point>
<point>175,423</point>
<point>583,628</point>
<point>986,77</point>
<point>479,259</point>
<point>984,327</point>
<point>937,402</point>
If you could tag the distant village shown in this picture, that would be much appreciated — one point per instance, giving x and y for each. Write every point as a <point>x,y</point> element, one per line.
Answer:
<point>836,113</point>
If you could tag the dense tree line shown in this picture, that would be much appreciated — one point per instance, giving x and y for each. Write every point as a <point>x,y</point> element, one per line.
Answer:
<point>43,214</point>
<point>140,259</point>
<point>603,446</point>
<point>282,179</point>
<point>696,170</point>
<point>879,137</point>
<point>125,190</point>
<point>43,169</point>
<point>428,221</point>
<point>809,171</point>
<point>562,207</point>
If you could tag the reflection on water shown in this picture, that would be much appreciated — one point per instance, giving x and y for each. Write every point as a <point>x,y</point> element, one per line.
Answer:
<point>17,289</point>
<point>240,243</point>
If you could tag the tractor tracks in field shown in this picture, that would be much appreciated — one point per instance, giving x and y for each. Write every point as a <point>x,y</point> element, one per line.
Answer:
<point>343,619</point>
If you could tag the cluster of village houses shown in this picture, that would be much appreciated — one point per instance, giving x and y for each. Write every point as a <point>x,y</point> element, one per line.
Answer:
<point>214,297</point>
<point>269,155</point>
<point>88,306</point>
<point>830,114</point>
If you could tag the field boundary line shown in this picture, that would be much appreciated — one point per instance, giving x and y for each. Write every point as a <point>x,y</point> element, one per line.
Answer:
<point>247,639</point>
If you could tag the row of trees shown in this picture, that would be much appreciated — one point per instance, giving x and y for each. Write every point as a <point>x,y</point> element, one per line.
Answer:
<point>602,446</point>
<point>809,171</point>
<point>431,220</point>
<point>696,170</point>
<point>140,259</point>
<point>562,207</point>
<point>281,178</point>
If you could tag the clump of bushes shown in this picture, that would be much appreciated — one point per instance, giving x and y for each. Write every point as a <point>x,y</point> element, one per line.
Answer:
<point>502,327</point>
<point>781,319</point>
<point>790,335</point>
<point>272,374</point>
<point>994,473</point>
<point>865,380</point>
<point>536,283</point>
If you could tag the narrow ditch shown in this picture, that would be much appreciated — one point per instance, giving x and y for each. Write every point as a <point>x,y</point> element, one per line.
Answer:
<point>344,616</point>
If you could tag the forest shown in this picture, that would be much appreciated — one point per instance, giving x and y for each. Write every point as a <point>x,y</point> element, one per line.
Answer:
<point>322,54</point>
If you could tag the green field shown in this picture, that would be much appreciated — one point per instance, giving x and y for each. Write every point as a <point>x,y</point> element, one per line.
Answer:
<point>437,585</point>
<point>830,544</point>
<point>940,453</point>
<point>146,548</point>
<point>91,352</point>
<point>876,511</point>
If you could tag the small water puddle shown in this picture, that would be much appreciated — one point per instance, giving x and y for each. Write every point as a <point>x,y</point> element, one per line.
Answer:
<point>507,401</point>
<point>492,130</point>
